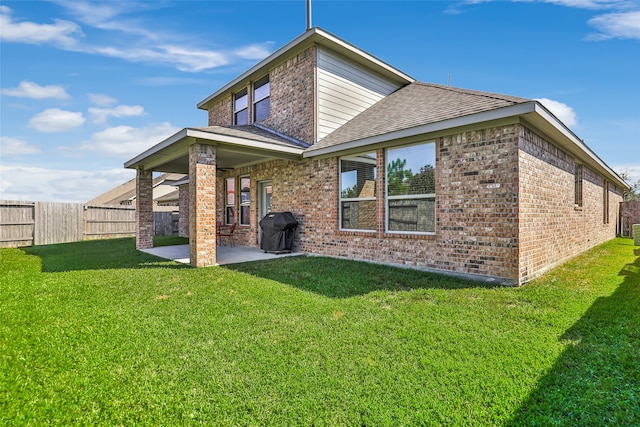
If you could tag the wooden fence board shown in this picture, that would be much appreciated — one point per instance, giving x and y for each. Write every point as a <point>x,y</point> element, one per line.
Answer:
<point>42,223</point>
<point>16,224</point>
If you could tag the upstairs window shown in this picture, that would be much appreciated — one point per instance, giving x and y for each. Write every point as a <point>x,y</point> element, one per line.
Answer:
<point>261,104</point>
<point>358,192</point>
<point>241,108</point>
<point>578,186</point>
<point>411,188</point>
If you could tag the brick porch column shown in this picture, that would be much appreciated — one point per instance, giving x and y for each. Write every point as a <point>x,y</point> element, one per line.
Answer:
<point>202,205</point>
<point>183,216</point>
<point>144,209</point>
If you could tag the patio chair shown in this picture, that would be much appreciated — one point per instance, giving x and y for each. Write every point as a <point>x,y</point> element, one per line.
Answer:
<point>226,231</point>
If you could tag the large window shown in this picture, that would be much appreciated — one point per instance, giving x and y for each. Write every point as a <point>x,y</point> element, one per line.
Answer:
<point>578,186</point>
<point>230,201</point>
<point>411,188</point>
<point>245,200</point>
<point>241,108</point>
<point>358,192</point>
<point>261,103</point>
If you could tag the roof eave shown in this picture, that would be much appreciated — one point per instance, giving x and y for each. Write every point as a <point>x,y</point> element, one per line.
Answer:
<point>527,110</point>
<point>190,136</point>
<point>313,35</point>
<point>470,119</point>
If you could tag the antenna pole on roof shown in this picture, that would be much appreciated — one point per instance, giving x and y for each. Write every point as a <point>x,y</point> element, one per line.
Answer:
<point>308,14</point>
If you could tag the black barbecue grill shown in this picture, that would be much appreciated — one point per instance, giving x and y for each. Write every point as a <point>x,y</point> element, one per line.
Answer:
<point>278,229</point>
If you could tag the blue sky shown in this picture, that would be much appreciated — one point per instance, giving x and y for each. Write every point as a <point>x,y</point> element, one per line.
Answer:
<point>87,85</point>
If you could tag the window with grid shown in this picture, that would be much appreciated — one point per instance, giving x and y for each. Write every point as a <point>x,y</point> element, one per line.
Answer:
<point>411,188</point>
<point>245,200</point>
<point>261,103</point>
<point>241,108</point>
<point>358,192</point>
<point>230,201</point>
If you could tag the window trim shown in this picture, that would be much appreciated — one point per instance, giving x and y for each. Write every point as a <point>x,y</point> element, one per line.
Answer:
<point>355,199</point>
<point>605,202</point>
<point>387,198</point>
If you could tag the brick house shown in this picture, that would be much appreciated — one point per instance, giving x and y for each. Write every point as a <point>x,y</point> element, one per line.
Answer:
<point>377,166</point>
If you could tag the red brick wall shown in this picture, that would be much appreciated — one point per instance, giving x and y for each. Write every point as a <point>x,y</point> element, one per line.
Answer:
<point>221,113</point>
<point>504,207</point>
<point>552,228</point>
<point>291,99</point>
<point>476,228</point>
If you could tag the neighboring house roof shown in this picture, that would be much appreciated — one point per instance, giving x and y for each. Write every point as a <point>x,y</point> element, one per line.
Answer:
<point>312,36</point>
<point>127,191</point>
<point>415,105</point>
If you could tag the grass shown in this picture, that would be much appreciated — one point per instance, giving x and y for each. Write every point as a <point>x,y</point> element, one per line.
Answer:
<point>96,333</point>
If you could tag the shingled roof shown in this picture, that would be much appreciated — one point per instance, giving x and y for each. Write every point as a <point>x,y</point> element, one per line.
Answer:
<point>416,104</point>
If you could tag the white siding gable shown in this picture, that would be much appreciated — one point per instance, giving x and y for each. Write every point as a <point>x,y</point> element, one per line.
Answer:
<point>345,89</point>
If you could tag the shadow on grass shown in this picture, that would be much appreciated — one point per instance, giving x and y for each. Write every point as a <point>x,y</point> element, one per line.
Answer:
<point>97,255</point>
<point>338,278</point>
<point>596,381</point>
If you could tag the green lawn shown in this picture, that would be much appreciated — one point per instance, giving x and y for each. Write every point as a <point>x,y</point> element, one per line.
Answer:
<point>96,333</point>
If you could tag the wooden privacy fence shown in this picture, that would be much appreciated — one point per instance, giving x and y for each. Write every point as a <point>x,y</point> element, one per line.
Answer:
<point>629,215</point>
<point>43,223</point>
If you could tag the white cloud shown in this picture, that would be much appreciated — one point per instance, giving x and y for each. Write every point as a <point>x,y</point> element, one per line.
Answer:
<point>58,185</point>
<point>101,99</point>
<point>62,33</point>
<point>616,25</point>
<point>10,147</point>
<point>100,115</point>
<point>127,141</point>
<point>136,43</point>
<point>56,120</point>
<point>561,111</point>
<point>32,90</point>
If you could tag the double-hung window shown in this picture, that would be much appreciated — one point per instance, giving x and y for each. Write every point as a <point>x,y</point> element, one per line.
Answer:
<point>411,188</point>
<point>261,103</point>
<point>241,108</point>
<point>230,201</point>
<point>358,192</point>
<point>245,200</point>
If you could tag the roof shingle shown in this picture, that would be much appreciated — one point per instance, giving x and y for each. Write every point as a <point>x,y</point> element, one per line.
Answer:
<point>414,105</point>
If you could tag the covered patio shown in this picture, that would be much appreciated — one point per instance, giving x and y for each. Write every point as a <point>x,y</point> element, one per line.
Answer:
<point>203,154</point>
<point>224,254</point>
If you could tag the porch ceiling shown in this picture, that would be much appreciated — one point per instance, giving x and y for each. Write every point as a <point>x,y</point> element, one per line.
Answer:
<point>235,147</point>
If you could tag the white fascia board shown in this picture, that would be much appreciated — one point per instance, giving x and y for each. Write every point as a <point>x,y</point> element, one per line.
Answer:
<point>542,111</point>
<point>314,34</point>
<point>471,119</point>
<point>244,142</point>
<point>158,147</point>
<point>194,134</point>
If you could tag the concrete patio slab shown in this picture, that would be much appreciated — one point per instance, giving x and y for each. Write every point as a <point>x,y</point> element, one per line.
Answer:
<point>225,254</point>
